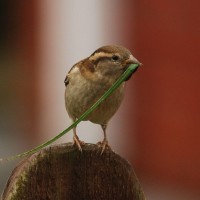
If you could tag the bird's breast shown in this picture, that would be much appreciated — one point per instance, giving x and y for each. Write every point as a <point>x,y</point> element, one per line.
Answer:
<point>80,94</point>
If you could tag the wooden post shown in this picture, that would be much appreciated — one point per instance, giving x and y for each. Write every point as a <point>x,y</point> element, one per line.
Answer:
<point>62,172</point>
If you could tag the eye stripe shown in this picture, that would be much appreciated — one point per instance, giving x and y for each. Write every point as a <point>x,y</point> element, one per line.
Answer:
<point>100,55</point>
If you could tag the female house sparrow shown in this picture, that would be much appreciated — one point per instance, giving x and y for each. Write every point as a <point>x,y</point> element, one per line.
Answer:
<point>89,79</point>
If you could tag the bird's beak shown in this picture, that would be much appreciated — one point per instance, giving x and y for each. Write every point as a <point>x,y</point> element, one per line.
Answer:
<point>130,61</point>
<point>133,60</point>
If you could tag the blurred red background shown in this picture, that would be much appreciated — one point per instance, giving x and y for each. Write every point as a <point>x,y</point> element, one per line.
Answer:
<point>167,41</point>
<point>164,107</point>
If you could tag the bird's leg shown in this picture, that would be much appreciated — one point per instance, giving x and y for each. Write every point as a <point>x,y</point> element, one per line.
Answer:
<point>76,140</point>
<point>104,143</point>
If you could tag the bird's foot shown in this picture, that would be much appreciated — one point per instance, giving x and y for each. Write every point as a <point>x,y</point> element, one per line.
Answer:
<point>103,145</point>
<point>78,142</point>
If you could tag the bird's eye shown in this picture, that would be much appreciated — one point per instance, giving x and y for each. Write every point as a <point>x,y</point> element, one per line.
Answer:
<point>115,58</point>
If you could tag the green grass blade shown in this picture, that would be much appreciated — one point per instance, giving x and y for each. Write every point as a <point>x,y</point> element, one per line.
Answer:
<point>123,77</point>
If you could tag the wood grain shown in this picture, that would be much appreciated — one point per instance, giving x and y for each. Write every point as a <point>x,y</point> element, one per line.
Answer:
<point>62,172</point>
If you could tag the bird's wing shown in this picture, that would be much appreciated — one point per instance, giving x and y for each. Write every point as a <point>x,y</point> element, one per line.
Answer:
<point>66,81</point>
<point>85,67</point>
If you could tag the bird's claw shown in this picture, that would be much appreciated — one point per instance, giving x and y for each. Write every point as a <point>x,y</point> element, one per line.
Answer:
<point>103,145</point>
<point>78,143</point>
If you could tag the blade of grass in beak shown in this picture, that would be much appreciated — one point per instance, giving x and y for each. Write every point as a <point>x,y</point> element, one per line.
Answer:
<point>123,77</point>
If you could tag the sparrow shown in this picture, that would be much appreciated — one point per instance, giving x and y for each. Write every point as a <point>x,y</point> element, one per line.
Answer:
<point>89,79</point>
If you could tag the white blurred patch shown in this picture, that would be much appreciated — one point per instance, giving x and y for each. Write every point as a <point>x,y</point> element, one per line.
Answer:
<point>69,32</point>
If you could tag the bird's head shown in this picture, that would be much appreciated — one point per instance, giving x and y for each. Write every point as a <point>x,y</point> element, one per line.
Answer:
<point>112,60</point>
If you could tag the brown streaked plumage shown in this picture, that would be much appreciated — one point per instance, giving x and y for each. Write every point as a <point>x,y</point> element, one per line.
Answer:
<point>89,79</point>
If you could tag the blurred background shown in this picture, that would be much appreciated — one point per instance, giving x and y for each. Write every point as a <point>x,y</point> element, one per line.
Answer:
<point>157,127</point>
